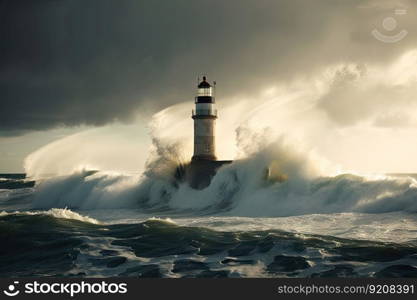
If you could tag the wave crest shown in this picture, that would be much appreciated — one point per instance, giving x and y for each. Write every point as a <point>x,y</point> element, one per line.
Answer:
<point>60,213</point>
<point>238,189</point>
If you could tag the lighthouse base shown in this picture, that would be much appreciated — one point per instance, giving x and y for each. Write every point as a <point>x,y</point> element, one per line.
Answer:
<point>199,172</point>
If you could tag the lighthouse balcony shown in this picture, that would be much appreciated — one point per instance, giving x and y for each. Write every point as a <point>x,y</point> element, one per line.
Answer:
<point>204,112</point>
<point>204,99</point>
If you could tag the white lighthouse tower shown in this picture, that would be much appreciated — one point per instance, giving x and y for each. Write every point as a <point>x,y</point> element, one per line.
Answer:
<point>204,115</point>
<point>204,164</point>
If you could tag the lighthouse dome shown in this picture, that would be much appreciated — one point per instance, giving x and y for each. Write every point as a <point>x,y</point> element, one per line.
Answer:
<point>204,84</point>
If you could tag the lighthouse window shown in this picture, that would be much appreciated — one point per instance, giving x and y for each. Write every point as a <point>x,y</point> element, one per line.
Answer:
<point>204,92</point>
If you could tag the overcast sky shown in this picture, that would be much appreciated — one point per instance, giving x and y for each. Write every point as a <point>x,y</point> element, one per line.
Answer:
<point>71,63</point>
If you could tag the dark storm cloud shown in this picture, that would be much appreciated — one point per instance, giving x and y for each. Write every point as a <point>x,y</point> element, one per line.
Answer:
<point>71,62</point>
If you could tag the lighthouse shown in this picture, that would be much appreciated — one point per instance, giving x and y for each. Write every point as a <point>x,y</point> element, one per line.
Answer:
<point>204,116</point>
<point>204,164</point>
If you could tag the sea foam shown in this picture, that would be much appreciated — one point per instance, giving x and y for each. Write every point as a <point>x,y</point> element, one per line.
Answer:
<point>60,213</point>
<point>238,189</point>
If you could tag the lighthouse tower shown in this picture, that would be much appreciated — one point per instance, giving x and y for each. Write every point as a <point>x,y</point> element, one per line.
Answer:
<point>204,164</point>
<point>204,115</point>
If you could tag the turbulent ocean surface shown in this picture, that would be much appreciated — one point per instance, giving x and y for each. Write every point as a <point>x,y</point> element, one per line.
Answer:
<point>98,224</point>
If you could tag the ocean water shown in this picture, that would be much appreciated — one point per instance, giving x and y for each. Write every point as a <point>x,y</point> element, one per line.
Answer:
<point>98,224</point>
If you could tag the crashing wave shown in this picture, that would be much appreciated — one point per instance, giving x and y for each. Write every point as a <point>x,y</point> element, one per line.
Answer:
<point>238,189</point>
<point>56,213</point>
